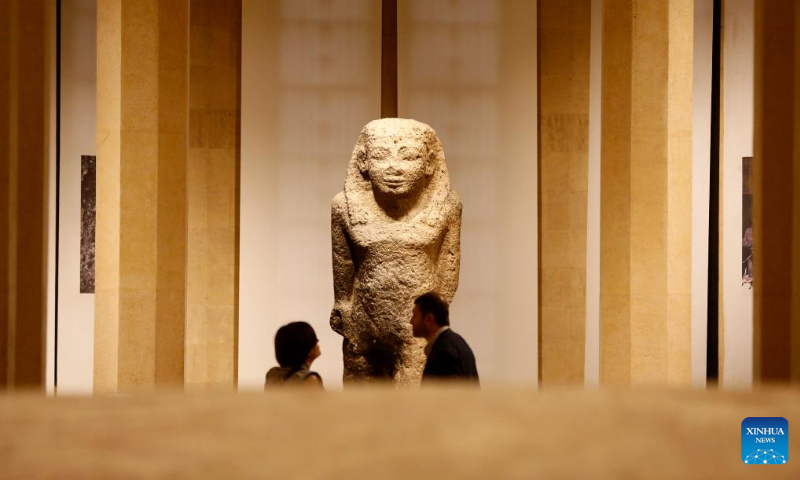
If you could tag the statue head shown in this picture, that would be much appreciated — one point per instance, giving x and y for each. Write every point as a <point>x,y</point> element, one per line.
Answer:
<point>397,157</point>
<point>394,155</point>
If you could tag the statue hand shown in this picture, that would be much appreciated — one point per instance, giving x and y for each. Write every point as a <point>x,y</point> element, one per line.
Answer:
<point>339,314</point>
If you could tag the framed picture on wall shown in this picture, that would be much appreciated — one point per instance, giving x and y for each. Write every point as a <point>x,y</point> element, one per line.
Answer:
<point>747,221</point>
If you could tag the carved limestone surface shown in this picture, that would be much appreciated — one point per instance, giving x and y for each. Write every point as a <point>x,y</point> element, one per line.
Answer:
<point>396,231</point>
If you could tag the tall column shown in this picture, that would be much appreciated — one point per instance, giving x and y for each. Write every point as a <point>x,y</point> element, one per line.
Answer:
<point>776,196</point>
<point>646,192</point>
<point>564,28</point>
<point>142,121</point>
<point>25,58</point>
<point>212,176</point>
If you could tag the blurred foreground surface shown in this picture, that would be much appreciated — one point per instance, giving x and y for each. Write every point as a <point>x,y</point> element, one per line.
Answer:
<point>387,434</point>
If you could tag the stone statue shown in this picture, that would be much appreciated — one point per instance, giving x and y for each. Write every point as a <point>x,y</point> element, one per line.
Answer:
<point>396,231</point>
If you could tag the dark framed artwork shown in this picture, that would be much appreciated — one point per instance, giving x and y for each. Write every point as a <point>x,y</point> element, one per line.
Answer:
<point>747,221</point>
<point>88,220</point>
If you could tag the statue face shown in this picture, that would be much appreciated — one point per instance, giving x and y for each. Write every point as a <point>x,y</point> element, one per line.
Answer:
<point>396,165</point>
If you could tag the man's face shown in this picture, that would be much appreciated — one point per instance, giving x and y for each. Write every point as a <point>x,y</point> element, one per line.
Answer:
<point>418,325</point>
<point>396,165</point>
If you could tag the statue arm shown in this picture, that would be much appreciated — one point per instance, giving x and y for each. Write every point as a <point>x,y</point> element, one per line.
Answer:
<point>450,255</point>
<point>343,267</point>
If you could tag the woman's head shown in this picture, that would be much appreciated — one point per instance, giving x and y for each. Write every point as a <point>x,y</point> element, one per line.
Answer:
<point>294,344</point>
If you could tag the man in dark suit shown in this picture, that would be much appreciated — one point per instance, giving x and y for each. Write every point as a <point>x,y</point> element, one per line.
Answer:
<point>449,356</point>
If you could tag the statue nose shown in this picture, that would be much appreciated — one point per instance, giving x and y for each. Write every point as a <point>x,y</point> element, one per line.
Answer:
<point>395,168</point>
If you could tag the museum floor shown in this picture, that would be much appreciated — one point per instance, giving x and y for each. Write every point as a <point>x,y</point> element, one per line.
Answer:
<point>391,434</point>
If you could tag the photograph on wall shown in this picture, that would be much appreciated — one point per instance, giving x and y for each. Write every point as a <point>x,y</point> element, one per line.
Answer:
<point>88,217</point>
<point>747,221</point>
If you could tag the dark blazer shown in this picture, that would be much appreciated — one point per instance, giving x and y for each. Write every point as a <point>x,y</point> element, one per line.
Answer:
<point>450,359</point>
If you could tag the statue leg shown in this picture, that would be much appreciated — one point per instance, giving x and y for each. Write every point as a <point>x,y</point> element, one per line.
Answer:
<point>410,364</point>
<point>356,367</point>
<point>371,359</point>
<point>385,359</point>
<point>369,362</point>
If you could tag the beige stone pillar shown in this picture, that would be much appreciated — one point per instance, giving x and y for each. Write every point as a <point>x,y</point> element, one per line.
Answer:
<point>212,176</point>
<point>646,192</point>
<point>776,196</point>
<point>25,57</point>
<point>142,121</point>
<point>564,28</point>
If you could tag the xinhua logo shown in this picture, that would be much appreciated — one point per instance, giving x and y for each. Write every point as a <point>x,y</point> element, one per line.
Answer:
<point>765,440</point>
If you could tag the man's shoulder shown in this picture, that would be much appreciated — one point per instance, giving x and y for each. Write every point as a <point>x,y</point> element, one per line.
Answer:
<point>451,358</point>
<point>450,334</point>
<point>452,339</point>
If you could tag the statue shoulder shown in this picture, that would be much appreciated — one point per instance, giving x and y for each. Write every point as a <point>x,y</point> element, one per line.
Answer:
<point>453,204</point>
<point>339,207</point>
<point>339,200</point>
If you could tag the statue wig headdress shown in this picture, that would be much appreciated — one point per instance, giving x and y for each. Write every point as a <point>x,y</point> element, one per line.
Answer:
<point>358,186</point>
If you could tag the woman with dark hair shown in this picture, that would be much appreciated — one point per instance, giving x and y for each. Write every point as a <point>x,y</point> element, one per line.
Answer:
<point>296,348</point>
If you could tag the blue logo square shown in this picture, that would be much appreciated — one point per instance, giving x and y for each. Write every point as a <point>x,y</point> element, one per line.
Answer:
<point>765,440</point>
